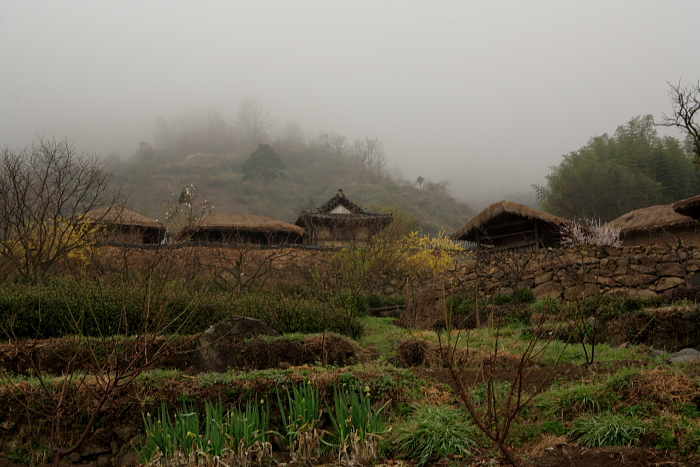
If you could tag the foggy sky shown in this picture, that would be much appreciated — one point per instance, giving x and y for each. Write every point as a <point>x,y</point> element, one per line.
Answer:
<point>486,95</point>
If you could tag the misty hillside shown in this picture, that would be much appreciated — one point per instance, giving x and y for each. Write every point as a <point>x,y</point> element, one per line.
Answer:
<point>311,176</point>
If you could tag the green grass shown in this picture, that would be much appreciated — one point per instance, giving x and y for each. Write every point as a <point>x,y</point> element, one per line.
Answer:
<point>512,339</point>
<point>597,410</point>
<point>572,400</point>
<point>609,429</point>
<point>434,432</point>
<point>381,334</point>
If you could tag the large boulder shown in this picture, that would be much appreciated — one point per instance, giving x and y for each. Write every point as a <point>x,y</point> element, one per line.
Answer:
<point>216,344</point>
<point>685,356</point>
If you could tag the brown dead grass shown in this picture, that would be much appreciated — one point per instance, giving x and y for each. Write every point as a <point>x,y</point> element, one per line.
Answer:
<point>548,442</point>
<point>665,387</point>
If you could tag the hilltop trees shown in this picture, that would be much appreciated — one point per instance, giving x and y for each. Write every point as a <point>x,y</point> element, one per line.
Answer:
<point>264,164</point>
<point>612,175</point>
<point>202,148</point>
<point>192,132</point>
<point>369,154</point>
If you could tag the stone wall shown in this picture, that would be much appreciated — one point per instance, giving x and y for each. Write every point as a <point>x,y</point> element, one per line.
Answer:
<point>641,271</point>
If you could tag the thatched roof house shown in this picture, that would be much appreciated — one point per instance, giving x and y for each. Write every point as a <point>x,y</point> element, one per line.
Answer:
<point>688,207</point>
<point>242,228</point>
<point>124,225</point>
<point>656,224</point>
<point>340,222</point>
<point>512,225</point>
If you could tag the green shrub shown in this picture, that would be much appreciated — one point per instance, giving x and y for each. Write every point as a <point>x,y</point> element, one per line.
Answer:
<point>480,391</point>
<point>639,303</point>
<point>669,431</point>
<point>296,290</point>
<point>519,314</point>
<point>436,432</point>
<point>623,379</point>
<point>100,308</point>
<point>380,301</point>
<point>526,295</point>
<point>93,308</point>
<point>459,304</point>
<point>608,308</point>
<point>608,430</point>
<point>665,439</point>
<point>548,306</point>
<point>556,427</point>
<point>502,299</point>
<point>291,314</point>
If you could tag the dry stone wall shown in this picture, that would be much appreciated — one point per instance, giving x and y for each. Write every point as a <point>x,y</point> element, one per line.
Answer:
<point>644,271</point>
<point>638,271</point>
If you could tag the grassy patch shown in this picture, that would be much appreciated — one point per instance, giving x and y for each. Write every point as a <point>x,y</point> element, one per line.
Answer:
<point>382,335</point>
<point>432,432</point>
<point>609,429</point>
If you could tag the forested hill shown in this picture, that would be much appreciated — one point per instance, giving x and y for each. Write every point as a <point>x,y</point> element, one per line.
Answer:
<point>304,177</point>
<point>613,175</point>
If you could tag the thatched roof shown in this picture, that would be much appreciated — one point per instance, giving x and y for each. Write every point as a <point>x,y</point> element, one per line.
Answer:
<point>341,208</point>
<point>117,215</point>
<point>478,224</point>
<point>688,207</point>
<point>651,218</point>
<point>242,223</point>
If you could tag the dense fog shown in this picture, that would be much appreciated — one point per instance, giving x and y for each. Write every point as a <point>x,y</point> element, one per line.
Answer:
<point>485,95</point>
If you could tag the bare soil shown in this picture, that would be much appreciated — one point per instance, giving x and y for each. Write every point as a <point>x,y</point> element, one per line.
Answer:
<point>574,456</point>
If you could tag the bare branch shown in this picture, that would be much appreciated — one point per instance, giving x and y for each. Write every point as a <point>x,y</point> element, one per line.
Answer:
<point>685,102</point>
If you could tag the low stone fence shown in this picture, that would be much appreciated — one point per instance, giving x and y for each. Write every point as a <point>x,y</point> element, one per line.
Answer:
<point>641,271</point>
<point>631,271</point>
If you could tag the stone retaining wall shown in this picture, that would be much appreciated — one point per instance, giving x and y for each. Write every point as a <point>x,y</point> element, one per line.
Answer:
<point>641,271</point>
<point>644,271</point>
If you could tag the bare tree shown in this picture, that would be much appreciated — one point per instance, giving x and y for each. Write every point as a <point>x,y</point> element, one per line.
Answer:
<point>504,399</point>
<point>331,144</point>
<point>685,102</point>
<point>192,132</point>
<point>253,121</point>
<point>369,153</point>
<point>145,152</point>
<point>439,188</point>
<point>496,416</point>
<point>164,133</point>
<point>46,188</point>
<point>291,137</point>
<point>218,130</point>
<point>239,266</point>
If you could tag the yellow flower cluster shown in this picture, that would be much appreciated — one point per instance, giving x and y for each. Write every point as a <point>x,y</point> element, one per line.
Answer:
<point>436,254</point>
<point>52,239</point>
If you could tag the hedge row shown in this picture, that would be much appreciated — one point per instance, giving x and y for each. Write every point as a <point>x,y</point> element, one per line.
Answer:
<point>99,309</point>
